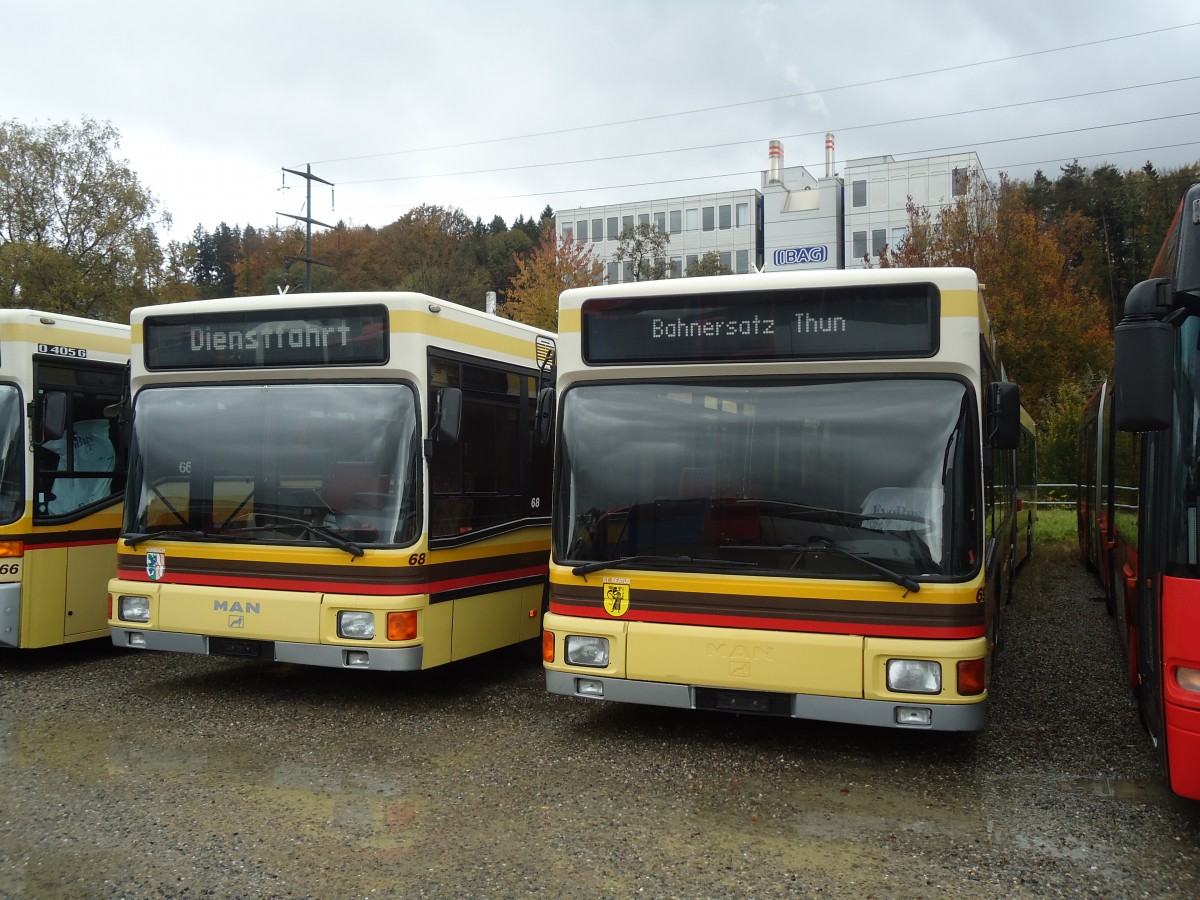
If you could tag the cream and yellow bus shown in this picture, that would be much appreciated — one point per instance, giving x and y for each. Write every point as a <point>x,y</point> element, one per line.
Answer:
<point>62,474</point>
<point>346,480</point>
<point>787,494</point>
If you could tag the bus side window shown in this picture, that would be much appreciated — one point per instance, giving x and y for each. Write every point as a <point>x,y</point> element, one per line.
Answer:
<point>449,509</point>
<point>91,450</point>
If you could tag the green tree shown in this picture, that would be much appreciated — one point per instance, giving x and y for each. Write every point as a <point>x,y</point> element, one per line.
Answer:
<point>642,250</point>
<point>216,257</point>
<point>77,229</point>
<point>429,250</point>
<point>709,264</point>
<point>550,267</point>
<point>504,248</point>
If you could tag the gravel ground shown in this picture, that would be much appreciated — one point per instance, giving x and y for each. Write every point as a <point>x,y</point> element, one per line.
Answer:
<point>158,775</point>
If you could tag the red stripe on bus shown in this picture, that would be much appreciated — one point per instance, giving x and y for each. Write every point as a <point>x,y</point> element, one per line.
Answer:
<point>344,587</point>
<point>771,624</point>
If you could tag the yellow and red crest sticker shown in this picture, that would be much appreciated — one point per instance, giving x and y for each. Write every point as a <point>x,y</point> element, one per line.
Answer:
<point>616,596</point>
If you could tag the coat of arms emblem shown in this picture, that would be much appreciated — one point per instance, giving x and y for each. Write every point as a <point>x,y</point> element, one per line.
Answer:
<point>156,564</point>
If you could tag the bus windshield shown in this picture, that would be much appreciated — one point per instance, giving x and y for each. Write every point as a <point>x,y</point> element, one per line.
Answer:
<point>831,478</point>
<point>12,495</point>
<point>333,464</point>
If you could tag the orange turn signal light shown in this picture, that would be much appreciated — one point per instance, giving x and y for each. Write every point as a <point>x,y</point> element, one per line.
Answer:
<point>402,626</point>
<point>971,677</point>
<point>548,646</point>
<point>12,549</point>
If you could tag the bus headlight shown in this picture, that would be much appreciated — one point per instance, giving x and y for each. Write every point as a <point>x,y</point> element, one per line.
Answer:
<point>582,650</point>
<point>914,676</point>
<point>359,626</point>
<point>1188,679</point>
<point>133,609</point>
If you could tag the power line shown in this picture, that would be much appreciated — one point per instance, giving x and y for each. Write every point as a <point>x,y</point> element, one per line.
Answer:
<point>735,105</point>
<point>761,140</point>
<point>1000,168</point>
<point>914,153</point>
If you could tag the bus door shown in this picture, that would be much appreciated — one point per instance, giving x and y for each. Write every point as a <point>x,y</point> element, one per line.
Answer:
<point>78,476</point>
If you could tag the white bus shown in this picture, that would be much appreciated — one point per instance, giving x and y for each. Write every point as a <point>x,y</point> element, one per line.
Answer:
<point>62,475</point>
<point>788,494</point>
<point>346,480</point>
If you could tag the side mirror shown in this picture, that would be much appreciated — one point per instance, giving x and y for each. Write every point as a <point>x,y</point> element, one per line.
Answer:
<point>545,416</point>
<point>1004,415</point>
<point>449,416</point>
<point>1144,360</point>
<point>123,416</point>
<point>53,417</point>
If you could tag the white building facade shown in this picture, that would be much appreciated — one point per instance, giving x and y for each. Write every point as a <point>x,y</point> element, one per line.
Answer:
<point>729,223</point>
<point>878,190</point>
<point>795,221</point>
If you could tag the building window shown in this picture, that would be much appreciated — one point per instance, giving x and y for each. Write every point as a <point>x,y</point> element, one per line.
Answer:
<point>643,218</point>
<point>958,181</point>
<point>614,272</point>
<point>626,222</point>
<point>692,219</point>
<point>743,262</point>
<point>660,221</point>
<point>709,219</point>
<point>897,236</point>
<point>676,266</point>
<point>858,193</point>
<point>581,229</point>
<point>860,244</point>
<point>597,230</point>
<point>613,231</point>
<point>692,260</point>
<point>676,221</point>
<point>568,231</point>
<point>727,260</point>
<point>878,241</point>
<point>725,213</point>
<point>627,271</point>
<point>743,215</point>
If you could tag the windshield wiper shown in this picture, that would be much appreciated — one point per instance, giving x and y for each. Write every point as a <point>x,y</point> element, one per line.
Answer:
<point>174,534</point>
<point>903,581</point>
<point>330,537</point>
<point>625,562</point>
<point>845,517</point>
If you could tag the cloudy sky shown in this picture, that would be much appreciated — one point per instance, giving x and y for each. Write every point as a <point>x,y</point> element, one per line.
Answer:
<point>503,107</point>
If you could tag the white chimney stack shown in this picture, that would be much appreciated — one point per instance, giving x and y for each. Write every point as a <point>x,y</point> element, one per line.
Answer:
<point>775,163</point>
<point>828,155</point>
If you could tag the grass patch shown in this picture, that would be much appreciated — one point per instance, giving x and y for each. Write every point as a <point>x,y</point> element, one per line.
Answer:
<point>1056,525</point>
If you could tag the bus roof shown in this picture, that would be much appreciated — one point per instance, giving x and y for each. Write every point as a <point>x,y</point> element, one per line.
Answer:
<point>62,320</point>
<point>394,300</point>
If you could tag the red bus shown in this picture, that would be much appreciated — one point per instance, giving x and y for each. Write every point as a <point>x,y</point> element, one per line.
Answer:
<point>1140,496</point>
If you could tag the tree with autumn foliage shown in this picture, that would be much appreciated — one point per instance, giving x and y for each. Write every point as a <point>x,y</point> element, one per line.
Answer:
<point>1051,328</point>
<point>553,265</point>
<point>78,231</point>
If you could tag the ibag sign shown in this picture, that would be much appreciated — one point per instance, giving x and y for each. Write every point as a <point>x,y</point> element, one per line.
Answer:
<point>795,256</point>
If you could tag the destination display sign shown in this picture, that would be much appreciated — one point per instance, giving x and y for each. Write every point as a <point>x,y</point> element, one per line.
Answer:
<point>272,338</point>
<point>858,322</point>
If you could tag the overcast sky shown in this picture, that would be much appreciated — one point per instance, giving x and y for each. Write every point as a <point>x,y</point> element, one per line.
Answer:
<point>505,106</point>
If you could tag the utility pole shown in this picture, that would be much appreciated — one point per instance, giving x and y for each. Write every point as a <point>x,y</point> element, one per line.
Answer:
<point>309,222</point>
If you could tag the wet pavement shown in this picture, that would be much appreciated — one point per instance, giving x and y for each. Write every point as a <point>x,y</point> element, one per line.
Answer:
<point>157,775</point>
